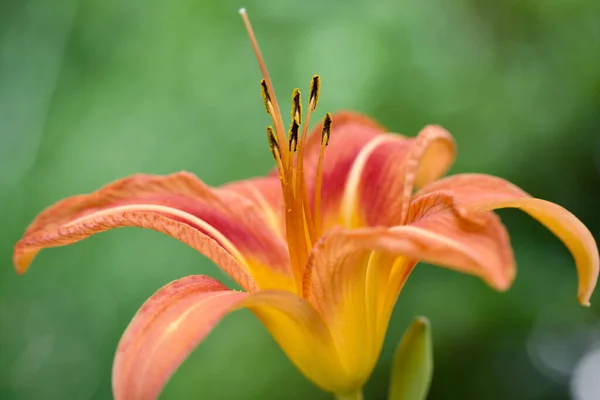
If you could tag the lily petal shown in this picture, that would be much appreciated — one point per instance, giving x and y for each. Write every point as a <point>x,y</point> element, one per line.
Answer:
<point>380,164</point>
<point>381,182</point>
<point>351,132</point>
<point>335,277</point>
<point>228,229</point>
<point>266,194</point>
<point>165,331</point>
<point>479,234</point>
<point>485,192</point>
<point>349,129</point>
<point>180,315</point>
<point>386,275</point>
<point>334,283</point>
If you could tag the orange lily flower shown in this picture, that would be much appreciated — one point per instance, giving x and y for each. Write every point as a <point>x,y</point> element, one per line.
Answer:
<point>322,247</point>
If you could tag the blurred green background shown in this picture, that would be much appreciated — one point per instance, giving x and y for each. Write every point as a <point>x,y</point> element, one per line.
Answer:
<point>94,90</point>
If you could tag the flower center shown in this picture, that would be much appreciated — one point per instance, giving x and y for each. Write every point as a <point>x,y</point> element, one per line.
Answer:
<point>303,223</point>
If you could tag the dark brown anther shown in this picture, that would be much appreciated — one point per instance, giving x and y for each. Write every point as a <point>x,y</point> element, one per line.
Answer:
<point>326,131</point>
<point>266,96</point>
<point>293,136</point>
<point>315,89</point>
<point>296,107</point>
<point>273,143</point>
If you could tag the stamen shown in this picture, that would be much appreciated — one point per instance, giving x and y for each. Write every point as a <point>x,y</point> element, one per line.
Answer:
<point>273,143</point>
<point>270,92</point>
<point>275,151</point>
<point>315,90</point>
<point>325,135</point>
<point>300,184</point>
<point>300,227</point>
<point>296,121</point>
<point>296,106</point>
<point>293,136</point>
<point>326,131</point>
<point>266,96</point>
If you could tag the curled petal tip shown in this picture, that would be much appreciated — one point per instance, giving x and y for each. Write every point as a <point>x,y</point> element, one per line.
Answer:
<point>500,280</point>
<point>22,261</point>
<point>584,300</point>
<point>503,283</point>
<point>484,192</point>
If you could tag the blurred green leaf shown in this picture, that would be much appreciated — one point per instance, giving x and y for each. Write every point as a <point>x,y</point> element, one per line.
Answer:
<point>413,363</point>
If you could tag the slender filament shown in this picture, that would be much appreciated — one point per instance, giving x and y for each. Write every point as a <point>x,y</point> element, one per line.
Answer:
<point>302,230</point>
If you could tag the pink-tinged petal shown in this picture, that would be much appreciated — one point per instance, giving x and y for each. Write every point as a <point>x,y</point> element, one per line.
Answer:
<point>340,272</point>
<point>484,192</point>
<point>381,182</point>
<point>375,184</point>
<point>350,134</point>
<point>266,194</point>
<point>165,331</point>
<point>480,234</point>
<point>179,316</point>
<point>230,220</point>
<point>349,129</point>
<point>28,247</point>
<point>433,155</point>
<point>472,189</point>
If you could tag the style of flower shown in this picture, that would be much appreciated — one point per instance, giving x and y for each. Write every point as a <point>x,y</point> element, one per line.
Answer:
<point>321,247</point>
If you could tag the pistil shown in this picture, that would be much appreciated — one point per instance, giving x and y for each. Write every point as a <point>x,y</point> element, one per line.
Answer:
<point>302,230</point>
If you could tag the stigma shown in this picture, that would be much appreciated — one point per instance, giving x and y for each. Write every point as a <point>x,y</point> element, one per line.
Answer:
<point>303,212</point>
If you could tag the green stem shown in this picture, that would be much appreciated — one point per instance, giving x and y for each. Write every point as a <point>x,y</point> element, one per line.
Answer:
<point>351,396</point>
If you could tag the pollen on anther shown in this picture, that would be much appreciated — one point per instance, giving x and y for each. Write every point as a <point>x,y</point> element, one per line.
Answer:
<point>296,106</point>
<point>315,89</point>
<point>265,95</point>
<point>293,136</point>
<point>273,143</point>
<point>326,131</point>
